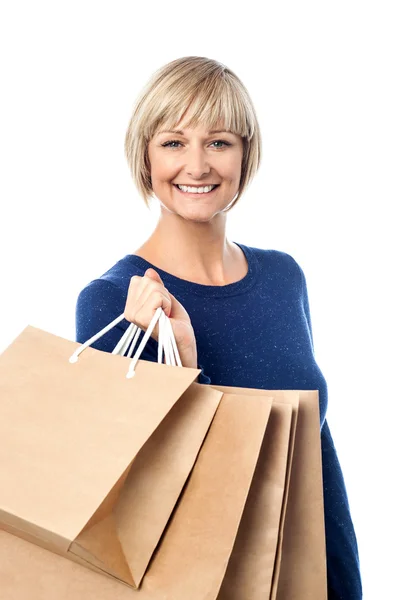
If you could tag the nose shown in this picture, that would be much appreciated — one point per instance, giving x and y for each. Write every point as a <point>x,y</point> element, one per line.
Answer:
<point>197,163</point>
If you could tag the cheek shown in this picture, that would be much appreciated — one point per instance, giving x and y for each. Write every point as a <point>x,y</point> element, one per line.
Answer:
<point>231,170</point>
<point>159,167</point>
<point>163,169</point>
<point>160,172</point>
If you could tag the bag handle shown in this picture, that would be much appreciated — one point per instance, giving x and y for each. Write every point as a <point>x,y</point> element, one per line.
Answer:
<point>166,342</point>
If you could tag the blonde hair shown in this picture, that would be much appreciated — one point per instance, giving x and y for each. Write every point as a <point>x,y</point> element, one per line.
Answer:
<point>215,96</point>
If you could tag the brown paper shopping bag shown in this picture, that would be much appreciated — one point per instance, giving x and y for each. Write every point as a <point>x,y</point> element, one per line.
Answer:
<point>253,560</point>
<point>193,554</point>
<point>81,583</point>
<point>192,559</point>
<point>213,543</point>
<point>92,463</point>
<point>300,556</point>
<point>158,475</point>
<point>29,572</point>
<point>303,568</point>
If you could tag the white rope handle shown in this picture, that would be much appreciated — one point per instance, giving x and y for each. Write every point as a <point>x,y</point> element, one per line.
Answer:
<point>166,341</point>
<point>174,353</point>
<point>125,340</point>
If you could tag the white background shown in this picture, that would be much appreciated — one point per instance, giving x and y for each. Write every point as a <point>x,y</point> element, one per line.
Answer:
<point>324,81</point>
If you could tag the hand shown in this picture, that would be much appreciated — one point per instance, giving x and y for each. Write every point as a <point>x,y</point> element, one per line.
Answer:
<point>148,293</point>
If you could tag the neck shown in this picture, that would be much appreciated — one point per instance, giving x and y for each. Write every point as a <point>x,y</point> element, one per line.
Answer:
<point>191,250</point>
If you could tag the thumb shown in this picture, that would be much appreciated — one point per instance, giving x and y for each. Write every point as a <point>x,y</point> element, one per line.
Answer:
<point>152,274</point>
<point>177,310</point>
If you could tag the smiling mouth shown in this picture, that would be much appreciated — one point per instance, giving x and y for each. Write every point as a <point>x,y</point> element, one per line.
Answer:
<point>197,193</point>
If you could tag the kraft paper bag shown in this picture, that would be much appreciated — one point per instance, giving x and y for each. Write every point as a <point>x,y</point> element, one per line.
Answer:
<point>300,569</point>
<point>192,557</point>
<point>303,569</point>
<point>92,463</point>
<point>253,560</point>
<point>159,473</point>
<point>29,572</point>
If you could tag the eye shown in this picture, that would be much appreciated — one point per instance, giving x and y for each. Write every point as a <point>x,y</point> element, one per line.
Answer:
<point>168,144</point>
<point>221,142</point>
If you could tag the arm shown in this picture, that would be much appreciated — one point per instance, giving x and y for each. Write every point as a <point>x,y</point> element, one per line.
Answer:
<point>305,301</point>
<point>343,569</point>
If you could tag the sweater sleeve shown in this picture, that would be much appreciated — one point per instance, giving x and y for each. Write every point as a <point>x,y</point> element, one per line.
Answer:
<point>343,569</point>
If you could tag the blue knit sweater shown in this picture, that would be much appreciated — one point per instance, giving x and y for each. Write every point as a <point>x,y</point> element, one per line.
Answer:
<point>256,333</point>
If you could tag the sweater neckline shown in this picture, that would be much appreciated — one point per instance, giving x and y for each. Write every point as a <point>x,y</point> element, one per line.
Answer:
<point>235,288</point>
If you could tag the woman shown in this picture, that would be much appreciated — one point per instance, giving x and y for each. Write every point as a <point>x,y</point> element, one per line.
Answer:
<point>238,313</point>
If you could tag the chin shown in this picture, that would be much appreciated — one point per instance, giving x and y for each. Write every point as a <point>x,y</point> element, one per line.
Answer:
<point>197,216</point>
<point>198,219</point>
<point>193,213</point>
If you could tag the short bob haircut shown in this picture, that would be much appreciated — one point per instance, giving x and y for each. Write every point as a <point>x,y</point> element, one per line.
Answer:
<point>215,96</point>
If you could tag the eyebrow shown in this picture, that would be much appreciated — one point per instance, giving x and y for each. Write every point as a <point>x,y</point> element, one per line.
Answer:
<point>179,132</point>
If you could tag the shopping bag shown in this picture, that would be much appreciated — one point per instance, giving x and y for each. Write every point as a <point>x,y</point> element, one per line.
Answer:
<point>92,463</point>
<point>172,571</point>
<point>303,568</point>
<point>300,563</point>
<point>252,563</point>
<point>192,557</point>
<point>159,473</point>
<point>206,535</point>
<point>29,572</point>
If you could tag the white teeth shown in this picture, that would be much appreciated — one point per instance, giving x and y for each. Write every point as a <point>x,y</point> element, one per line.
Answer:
<point>195,190</point>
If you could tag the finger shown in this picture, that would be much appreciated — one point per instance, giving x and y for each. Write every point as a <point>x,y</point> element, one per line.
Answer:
<point>154,275</point>
<point>145,313</point>
<point>151,291</point>
<point>137,285</point>
<point>147,287</point>
<point>142,291</point>
<point>146,294</point>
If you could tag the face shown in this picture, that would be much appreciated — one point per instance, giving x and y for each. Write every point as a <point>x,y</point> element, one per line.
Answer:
<point>195,157</point>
